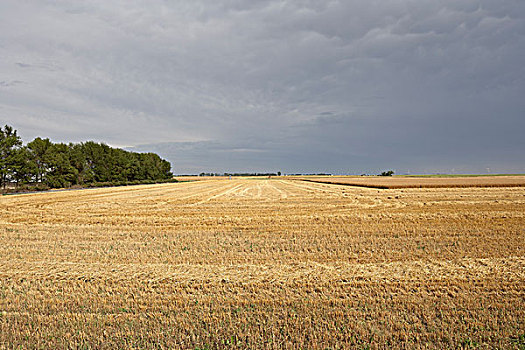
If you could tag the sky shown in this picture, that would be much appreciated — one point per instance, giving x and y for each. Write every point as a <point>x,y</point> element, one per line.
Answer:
<point>297,86</point>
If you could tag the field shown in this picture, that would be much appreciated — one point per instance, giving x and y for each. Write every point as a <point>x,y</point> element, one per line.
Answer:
<point>396,182</point>
<point>264,264</point>
<point>200,178</point>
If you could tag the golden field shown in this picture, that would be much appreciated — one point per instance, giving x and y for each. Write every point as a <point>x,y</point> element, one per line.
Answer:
<point>263,264</point>
<point>397,182</point>
<point>200,178</point>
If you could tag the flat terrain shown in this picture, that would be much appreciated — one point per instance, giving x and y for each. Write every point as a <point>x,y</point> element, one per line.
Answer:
<point>396,182</point>
<point>201,178</point>
<point>263,264</point>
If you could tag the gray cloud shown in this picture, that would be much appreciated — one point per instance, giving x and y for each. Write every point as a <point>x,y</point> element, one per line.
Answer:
<point>10,83</point>
<point>281,85</point>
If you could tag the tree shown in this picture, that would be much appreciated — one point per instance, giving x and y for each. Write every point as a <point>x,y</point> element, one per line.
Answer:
<point>78,160</point>
<point>61,172</point>
<point>387,173</point>
<point>39,152</point>
<point>63,165</point>
<point>10,143</point>
<point>24,170</point>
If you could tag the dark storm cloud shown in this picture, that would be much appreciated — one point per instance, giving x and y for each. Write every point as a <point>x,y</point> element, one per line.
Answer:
<point>340,86</point>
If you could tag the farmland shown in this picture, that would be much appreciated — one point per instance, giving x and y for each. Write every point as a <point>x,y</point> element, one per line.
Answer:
<point>397,182</point>
<point>263,263</point>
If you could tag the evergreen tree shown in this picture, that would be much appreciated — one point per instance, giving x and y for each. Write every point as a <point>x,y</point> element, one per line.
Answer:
<point>61,172</point>
<point>40,154</point>
<point>23,168</point>
<point>10,143</point>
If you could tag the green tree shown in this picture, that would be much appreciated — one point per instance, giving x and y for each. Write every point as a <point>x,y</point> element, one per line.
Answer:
<point>103,163</point>
<point>40,154</point>
<point>61,172</point>
<point>120,165</point>
<point>10,143</point>
<point>80,162</point>
<point>63,165</point>
<point>24,170</point>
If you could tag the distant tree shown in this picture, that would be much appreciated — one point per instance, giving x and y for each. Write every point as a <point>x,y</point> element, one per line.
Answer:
<point>120,165</point>
<point>10,143</point>
<point>24,170</point>
<point>79,161</point>
<point>61,172</point>
<point>63,165</point>
<point>165,169</point>
<point>387,173</point>
<point>93,154</point>
<point>39,153</point>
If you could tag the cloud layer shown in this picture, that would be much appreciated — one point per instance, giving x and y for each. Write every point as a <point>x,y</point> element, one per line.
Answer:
<point>338,86</point>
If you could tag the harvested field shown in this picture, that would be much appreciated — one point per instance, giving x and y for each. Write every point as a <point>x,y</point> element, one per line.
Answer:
<point>387,182</point>
<point>200,178</point>
<point>263,264</point>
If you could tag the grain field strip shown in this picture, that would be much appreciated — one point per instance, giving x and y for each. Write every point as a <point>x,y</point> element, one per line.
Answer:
<point>196,190</point>
<point>336,191</point>
<point>305,188</point>
<point>229,189</point>
<point>259,191</point>
<point>465,269</point>
<point>282,193</point>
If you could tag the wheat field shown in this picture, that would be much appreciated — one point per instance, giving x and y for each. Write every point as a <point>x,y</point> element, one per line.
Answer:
<point>263,264</point>
<point>397,182</point>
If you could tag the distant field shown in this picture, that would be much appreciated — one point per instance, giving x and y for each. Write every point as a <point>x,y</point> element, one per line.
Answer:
<point>460,175</point>
<point>206,178</point>
<point>263,264</point>
<point>200,178</point>
<point>393,182</point>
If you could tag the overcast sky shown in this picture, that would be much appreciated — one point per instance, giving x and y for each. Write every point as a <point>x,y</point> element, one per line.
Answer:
<point>350,86</point>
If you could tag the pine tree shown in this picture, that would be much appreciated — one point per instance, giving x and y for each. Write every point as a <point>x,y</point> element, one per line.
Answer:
<point>10,143</point>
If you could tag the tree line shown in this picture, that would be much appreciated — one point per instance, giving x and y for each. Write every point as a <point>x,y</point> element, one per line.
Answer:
<point>44,164</point>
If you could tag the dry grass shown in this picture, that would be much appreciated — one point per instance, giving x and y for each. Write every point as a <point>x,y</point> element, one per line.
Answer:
<point>395,182</point>
<point>263,264</point>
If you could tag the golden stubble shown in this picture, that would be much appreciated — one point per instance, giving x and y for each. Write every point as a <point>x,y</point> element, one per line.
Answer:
<point>263,264</point>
